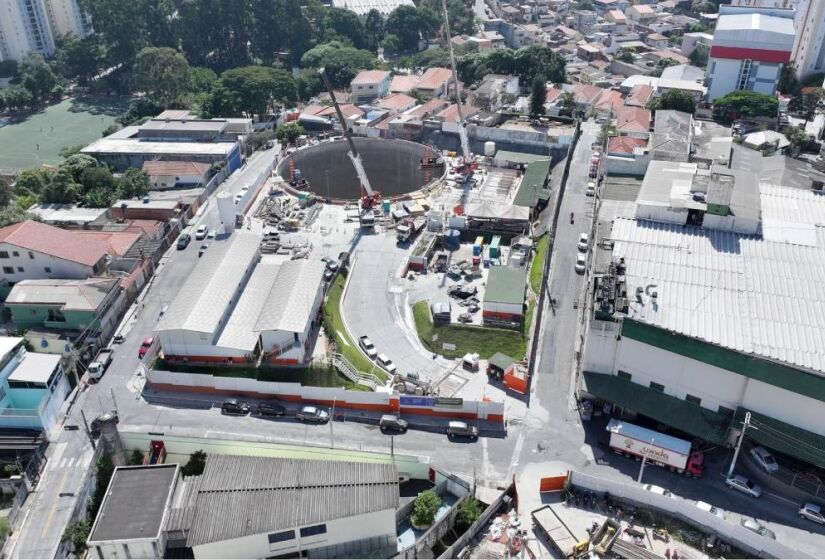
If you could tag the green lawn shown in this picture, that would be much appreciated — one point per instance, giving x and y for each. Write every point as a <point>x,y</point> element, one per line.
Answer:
<point>343,341</point>
<point>484,340</point>
<point>537,266</point>
<point>39,137</point>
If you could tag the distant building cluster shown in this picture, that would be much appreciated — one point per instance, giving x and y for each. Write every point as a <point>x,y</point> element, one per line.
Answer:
<point>36,25</point>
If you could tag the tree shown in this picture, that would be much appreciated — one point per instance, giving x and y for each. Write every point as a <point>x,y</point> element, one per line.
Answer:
<point>79,59</point>
<point>788,83</point>
<point>201,79</point>
<point>38,78</point>
<point>308,84</point>
<point>409,24</point>
<point>98,178</point>
<point>136,458</point>
<point>134,183</point>
<point>340,23</point>
<point>31,181</point>
<point>625,56</point>
<point>699,56</point>
<point>77,533</point>
<point>104,469</point>
<point>8,68</point>
<point>341,62</point>
<point>462,17</point>
<point>392,44</point>
<point>215,33</point>
<point>468,512</point>
<point>6,193</point>
<point>374,29</point>
<point>746,104</point>
<point>62,189</point>
<point>195,465</point>
<point>252,89</point>
<point>661,65</point>
<point>288,133</point>
<point>162,73</point>
<point>798,138</point>
<point>16,97</point>
<point>78,164</point>
<point>538,96</point>
<point>68,151</point>
<point>424,508</point>
<point>807,102</point>
<point>258,140</point>
<point>675,100</point>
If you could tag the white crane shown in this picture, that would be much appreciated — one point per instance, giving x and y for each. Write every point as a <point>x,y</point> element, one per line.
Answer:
<point>468,164</point>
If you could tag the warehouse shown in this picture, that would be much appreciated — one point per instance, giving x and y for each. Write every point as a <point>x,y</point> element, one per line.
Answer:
<point>695,326</point>
<point>504,296</point>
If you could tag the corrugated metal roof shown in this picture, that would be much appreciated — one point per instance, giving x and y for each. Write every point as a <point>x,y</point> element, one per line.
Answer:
<point>758,295</point>
<point>505,285</point>
<point>239,496</point>
<point>290,302</point>
<point>240,331</point>
<point>205,296</point>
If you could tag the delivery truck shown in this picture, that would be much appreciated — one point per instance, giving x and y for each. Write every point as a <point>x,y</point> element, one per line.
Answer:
<point>659,449</point>
<point>408,228</point>
<point>98,366</point>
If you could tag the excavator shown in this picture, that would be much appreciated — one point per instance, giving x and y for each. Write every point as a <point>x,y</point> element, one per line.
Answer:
<point>468,164</point>
<point>369,197</point>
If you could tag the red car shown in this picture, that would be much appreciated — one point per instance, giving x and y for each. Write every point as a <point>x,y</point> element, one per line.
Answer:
<point>144,348</point>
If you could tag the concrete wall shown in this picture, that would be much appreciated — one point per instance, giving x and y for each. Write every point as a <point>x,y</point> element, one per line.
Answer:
<point>142,548</point>
<point>724,75</point>
<point>632,165</point>
<point>661,214</point>
<point>520,136</point>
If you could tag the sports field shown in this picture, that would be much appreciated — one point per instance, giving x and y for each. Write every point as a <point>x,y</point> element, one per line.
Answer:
<point>39,137</point>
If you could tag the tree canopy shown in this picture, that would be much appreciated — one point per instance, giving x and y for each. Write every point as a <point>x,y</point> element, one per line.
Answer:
<point>250,90</point>
<point>526,63</point>
<point>538,96</point>
<point>742,103</point>
<point>162,73</point>
<point>342,63</point>
<point>675,100</point>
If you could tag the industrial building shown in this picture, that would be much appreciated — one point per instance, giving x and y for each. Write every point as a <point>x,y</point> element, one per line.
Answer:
<point>249,507</point>
<point>504,296</point>
<point>694,324</point>
<point>750,46</point>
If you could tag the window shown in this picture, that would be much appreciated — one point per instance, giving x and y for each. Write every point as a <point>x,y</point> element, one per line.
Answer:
<point>31,255</point>
<point>314,530</point>
<point>725,410</point>
<point>20,269</point>
<point>4,254</point>
<point>657,386</point>
<point>8,269</point>
<point>692,399</point>
<point>624,375</point>
<point>47,269</point>
<point>15,254</point>
<point>281,537</point>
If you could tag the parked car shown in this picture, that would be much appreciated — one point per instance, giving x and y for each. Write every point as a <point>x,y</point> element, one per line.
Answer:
<point>591,189</point>
<point>652,488</point>
<point>753,525</point>
<point>203,249</point>
<point>386,363</point>
<point>581,263</point>
<point>392,423</point>
<point>457,428</point>
<point>465,318</point>
<point>454,271</point>
<point>329,275</point>
<point>367,346</point>
<point>234,407</point>
<point>201,232</point>
<point>332,265</point>
<point>584,242</point>
<point>271,408</point>
<point>745,485</point>
<point>812,512</point>
<point>704,506</point>
<point>312,414</point>
<point>183,241</point>
<point>764,459</point>
<point>466,291</point>
<point>145,345</point>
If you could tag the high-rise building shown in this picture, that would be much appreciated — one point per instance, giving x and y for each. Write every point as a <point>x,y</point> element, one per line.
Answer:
<point>750,47</point>
<point>66,16</point>
<point>809,50</point>
<point>34,25</point>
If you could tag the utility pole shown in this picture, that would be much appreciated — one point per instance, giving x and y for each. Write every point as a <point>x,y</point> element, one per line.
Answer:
<point>332,421</point>
<point>644,460</point>
<point>745,425</point>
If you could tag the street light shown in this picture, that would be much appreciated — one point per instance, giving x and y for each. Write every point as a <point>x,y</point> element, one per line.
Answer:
<point>745,425</point>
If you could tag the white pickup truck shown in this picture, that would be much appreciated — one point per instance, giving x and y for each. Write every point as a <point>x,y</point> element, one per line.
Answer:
<point>100,363</point>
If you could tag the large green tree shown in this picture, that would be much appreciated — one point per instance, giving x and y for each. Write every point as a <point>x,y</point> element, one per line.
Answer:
<point>374,28</point>
<point>38,78</point>
<point>215,33</point>
<point>409,24</point>
<point>79,59</point>
<point>675,100</point>
<point>62,189</point>
<point>807,102</point>
<point>134,183</point>
<point>538,96</point>
<point>162,73</point>
<point>341,62</point>
<point>746,104</point>
<point>253,89</point>
<point>340,23</point>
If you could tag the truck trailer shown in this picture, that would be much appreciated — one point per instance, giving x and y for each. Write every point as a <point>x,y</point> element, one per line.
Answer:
<point>658,448</point>
<point>409,228</point>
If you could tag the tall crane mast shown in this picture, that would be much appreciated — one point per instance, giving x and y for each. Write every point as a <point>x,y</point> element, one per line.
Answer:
<point>462,131</point>
<point>369,198</point>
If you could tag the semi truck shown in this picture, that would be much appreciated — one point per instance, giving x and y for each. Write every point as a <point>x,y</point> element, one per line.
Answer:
<point>408,228</point>
<point>98,366</point>
<point>655,447</point>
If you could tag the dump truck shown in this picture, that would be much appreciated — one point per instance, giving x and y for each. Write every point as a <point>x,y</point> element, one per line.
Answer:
<point>655,447</point>
<point>98,366</point>
<point>557,533</point>
<point>408,228</point>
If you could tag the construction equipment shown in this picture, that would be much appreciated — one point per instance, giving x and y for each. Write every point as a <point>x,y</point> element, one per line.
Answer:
<point>468,163</point>
<point>369,198</point>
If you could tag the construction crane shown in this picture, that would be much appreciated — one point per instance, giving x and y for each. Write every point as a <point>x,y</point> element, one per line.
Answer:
<point>369,197</point>
<point>468,164</point>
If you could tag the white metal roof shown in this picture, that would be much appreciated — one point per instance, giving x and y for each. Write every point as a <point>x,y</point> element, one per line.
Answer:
<point>205,296</point>
<point>35,367</point>
<point>289,303</point>
<point>133,146</point>
<point>762,295</point>
<point>240,332</point>
<point>362,7</point>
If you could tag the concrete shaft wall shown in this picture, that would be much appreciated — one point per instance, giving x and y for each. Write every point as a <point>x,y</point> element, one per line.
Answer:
<point>393,167</point>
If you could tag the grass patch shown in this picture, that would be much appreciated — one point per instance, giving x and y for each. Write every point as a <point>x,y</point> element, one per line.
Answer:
<point>537,266</point>
<point>335,329</point>
<point>484,340</point>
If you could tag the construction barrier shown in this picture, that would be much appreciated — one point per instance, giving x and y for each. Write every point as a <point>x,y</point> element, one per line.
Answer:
<point>553,483</point>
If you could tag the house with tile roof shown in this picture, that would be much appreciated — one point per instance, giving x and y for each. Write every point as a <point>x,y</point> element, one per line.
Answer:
<point>633,121</point>
<point>369,84</point>
<point>434,82</point>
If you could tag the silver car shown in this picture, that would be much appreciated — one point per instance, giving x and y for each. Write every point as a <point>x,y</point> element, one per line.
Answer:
<point>745,485</point>
<point>752,524</point>
<point>812,512</point>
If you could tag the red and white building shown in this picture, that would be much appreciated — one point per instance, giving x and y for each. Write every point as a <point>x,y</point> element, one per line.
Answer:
<point>750,47</point>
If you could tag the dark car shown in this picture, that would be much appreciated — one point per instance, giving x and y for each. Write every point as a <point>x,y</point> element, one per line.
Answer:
<point>271,408</point>
<point>183,241</point>
<point>234,406</point>
<point>392,423</point>
<point>462,429</point>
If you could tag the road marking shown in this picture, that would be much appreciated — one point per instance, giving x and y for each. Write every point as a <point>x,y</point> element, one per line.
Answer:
<point>484,461</point>
<point>342,338</point>
<point>47,524</point>
<point>516,454</point>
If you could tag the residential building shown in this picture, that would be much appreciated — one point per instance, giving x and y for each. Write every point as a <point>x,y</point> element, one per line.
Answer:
<point>494,91</point>
<point>640,14</point>
<point>67,16</point>
<point>348,509</point>
<point>627,155</point>
<point>369,85</point>
<point>24,28</point>
<point>70,216</point>
<point>434,82</point>
<point>672,136</point>
<point>691,40</point>
<point>174,174</point>
<point>656,40</point>
<point>617,18</point>
<point>749,49</point>
<point>639,96</point>
<point>584,20</point>
<point>402,83</point>
<point>809,49</point>
<point>504,296</point>
<point>396,103</point>
<point>449,117</point>
<point>633,121</point>
<point>33,387</point>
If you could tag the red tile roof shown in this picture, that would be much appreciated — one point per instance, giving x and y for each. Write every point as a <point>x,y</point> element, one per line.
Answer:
<point>553,94</point>
<point>609,100</point>
<point>403,84</point>
<point>624,144</point>
<point>585,93</point>
<point>633,119</point>
<point>615,16</point>
<point>50,240</point>
<point>450,114</point>
<point>176,168</point>
<point>639,95</point>
<point>370,77</point>
<point>397,101</point>
<point>430,107</point>
<point>434,78</point>
<point>117,242</point>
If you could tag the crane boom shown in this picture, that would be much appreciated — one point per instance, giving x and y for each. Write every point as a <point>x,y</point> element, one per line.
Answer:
<point>371,196</point>
<point>462,131</point>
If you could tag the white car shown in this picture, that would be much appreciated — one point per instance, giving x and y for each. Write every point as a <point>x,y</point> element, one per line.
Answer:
<point>653,489</point>
<point>386,363</point>
<point>812,512</point>
<point>584,242</point>
<point>591,189</point>
<point>704,506</point>
<point>752,524</point>
<point>581,263</point>
<point>201,232</point>
<point>745,485</point>
<point>764,459</point>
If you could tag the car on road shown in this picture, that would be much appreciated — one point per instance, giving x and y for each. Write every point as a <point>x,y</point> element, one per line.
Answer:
<point>457,428</point>
<point>713,510</point>
<point>312,414</point>
<point>745,485</point>
<point>329,275</point>
<point>183,241</point>
<point>581,263</point>
<point>584,242</point>
<point>454,271</point>
<point>367,346</point>
<point>764,459</point>
<point>332,266</point>
<point>234,407</point>
<point>210,234</point>
<point>392,423</point>
<point>145,346</point>
<point>812,512</point>
<point>652,488</point>
<point>465,318</point>
<point>271,408</point>
<point>386,363</point>
<point>201,232</point>
<point>591,189</point>
<point>752,524</point>
<point>203,249</point>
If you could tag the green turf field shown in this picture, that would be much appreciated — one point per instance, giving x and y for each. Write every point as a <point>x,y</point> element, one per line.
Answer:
<point>39,137</point>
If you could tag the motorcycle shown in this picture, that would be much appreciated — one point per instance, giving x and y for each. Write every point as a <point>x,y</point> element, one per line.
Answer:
<point>571,217</point>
